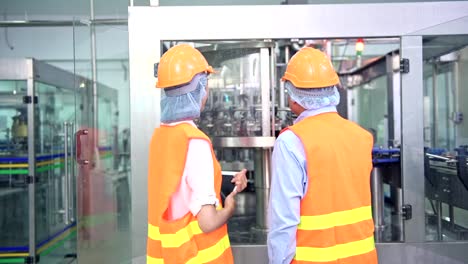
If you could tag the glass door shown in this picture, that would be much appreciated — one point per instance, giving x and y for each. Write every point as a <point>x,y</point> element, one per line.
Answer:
<point>101,156</point>
<point>54,191</point>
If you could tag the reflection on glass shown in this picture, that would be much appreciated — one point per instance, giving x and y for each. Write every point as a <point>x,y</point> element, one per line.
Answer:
<point>372,108</point>
<point>446,140</point>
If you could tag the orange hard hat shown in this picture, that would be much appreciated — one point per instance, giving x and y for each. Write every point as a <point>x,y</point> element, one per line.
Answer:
<point>310,68</point>
<point>179,65</point>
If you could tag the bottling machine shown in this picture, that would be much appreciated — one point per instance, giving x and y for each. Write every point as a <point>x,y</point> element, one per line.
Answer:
<point>386,93</point>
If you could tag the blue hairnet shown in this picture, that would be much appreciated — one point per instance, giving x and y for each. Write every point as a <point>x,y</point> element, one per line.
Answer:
<point>183,102</point>
<point>316,98</point>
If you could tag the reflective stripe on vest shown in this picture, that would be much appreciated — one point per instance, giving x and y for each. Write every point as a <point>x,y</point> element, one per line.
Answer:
<point>182,236</point>
<point>203,256</point>
<point>347,217</point>
<point>340,251</point>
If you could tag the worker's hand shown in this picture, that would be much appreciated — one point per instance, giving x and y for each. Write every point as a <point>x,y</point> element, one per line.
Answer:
<point>230,203</point>
<point>240,180</point>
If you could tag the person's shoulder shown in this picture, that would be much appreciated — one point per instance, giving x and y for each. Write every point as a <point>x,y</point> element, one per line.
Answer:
<point>287,138</point>
<point>285,135</point>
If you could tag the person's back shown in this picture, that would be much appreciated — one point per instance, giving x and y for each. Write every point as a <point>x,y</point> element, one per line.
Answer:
<point>335,213</point>
<point>320,202</point>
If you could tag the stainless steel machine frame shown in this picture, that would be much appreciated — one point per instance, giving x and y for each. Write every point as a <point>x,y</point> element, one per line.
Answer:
<point>149,26</point>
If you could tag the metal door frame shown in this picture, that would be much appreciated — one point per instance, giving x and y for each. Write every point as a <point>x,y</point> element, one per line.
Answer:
<point>149,26</point>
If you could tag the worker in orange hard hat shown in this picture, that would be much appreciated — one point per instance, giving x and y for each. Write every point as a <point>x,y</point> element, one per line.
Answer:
<point>320,201</point>
<point>186,222</point>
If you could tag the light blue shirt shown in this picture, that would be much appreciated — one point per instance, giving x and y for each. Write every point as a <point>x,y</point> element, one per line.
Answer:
<point>288,187</point>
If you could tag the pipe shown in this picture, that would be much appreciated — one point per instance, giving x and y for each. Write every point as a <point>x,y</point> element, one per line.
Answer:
<point>262,186</point>
<point>440,235</point>
<point>62,23</point>
<point>273,89</point>
<point>282,99</point>
<point>377,203</point>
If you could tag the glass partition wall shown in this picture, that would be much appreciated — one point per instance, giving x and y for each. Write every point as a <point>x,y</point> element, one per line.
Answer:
<point>446,137</point>
<point>102,166</point>
<point>51,199</point>
<point>36,162</point>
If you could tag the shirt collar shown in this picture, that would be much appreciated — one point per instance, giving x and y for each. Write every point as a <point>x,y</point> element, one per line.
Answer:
<point>314,112</point>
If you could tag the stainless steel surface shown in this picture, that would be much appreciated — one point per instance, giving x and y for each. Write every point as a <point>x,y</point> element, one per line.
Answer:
<point>244,254</point>
<point>142,56</point>
<point>422,253</point>
<point>59,23</point>
<point>430,20</point>
<point>377,203</point>
<point>273,89</point>
<point>265,84</point>
<point>262,186</point>
<point>412,148</point>
<point>31,162</point>
<point>234,45</point>
<point>388,253</point>
<point>66,177</point>
<point>243,142</point>
<point>15,69</point>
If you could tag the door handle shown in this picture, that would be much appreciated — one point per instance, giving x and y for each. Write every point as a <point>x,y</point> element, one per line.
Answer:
<point>71,177</point>
<point>66,186</point>
<point>79,133</point>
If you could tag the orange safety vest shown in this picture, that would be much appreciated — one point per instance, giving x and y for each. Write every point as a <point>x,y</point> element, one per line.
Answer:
<point>336,216</point>
<point>181,240</point>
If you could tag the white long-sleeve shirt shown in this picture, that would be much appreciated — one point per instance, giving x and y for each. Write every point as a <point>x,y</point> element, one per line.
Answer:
<point>196,187</point>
